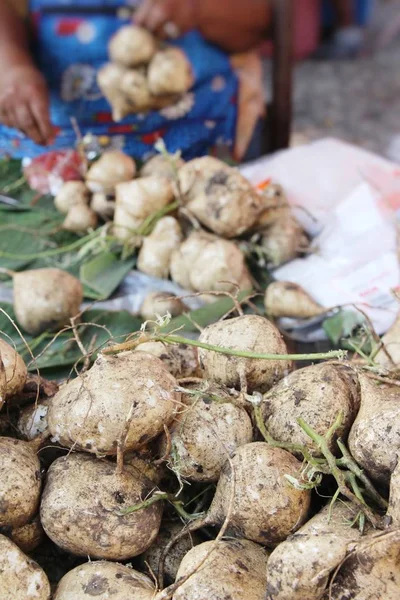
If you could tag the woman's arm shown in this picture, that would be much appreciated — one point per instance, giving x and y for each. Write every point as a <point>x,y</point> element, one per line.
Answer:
<point>235,25</point>
<point>24,100</point>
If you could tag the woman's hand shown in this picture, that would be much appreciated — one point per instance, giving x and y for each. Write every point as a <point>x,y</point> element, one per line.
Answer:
<point>24,103</point>
<point>168,18</point>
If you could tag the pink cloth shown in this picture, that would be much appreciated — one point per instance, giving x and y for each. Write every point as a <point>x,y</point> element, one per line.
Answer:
<point>306,29</point>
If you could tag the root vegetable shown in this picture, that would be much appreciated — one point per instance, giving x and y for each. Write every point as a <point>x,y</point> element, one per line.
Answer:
<point>157,248</point>
<point>391,342</point>
<point>112,168</point>
<point>374,438</point>
<point>283,240</point>
<point>20,482</point>
<point>82,504</point>
<point>102,205</point>
<point>161,303</point>
<point>131,395</point>
<point>235,569</point>
<point>226,267</point>
<point>29,536</point>
<point>170,72</point>
<point>287,299</point>
<point>132,46</point>
<point>20,577</point>
<point>266,508</point>
<point>80,218</point>
<point>275,204</point>
<point>394,497</point>
<point>32,420</point>
<point>14,372</point>
<point>46,299</point>
<point>71,193</point>
<point>246,333</point>
<point>180,360</point>
<point>137,200</point>
<point>160,166</point>
<point>135,87</point>
<point>317,394</point>
<point>372,571</point>
<point>174,557</point>
<point>109,79</point>
<point>106,581</point>
<point>204,433</point>
<point>300,567</point>
<point>144,466</point>
<point>219,196</point>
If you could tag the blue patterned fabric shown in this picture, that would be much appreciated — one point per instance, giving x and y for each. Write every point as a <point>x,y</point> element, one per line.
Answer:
<point>71,45</point>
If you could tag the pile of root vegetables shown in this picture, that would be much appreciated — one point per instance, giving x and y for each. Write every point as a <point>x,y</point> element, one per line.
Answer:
<point>209,468</point>
<point>179,217</point>
<point>141,75</point>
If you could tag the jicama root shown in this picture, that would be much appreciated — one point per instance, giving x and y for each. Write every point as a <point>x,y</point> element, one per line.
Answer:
<point>170,72</point>
<point>46,299</point>
<point>287,299</point>
<point>20,577</point>
<point>71,193</point>
<point>161,303</point>
<point>137,200</point>
<point>80,218</point>
<point>284,240</point>
<point>14,372</point>
<point>157,248</point>
<point>132,46</point>
<point>219,196</point>
<point>112,168</point>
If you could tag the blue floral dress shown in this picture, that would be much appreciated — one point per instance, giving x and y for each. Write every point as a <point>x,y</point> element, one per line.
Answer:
<point>70,40</point>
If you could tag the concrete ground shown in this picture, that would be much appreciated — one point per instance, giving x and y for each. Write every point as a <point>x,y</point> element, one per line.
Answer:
<point>359,100</point>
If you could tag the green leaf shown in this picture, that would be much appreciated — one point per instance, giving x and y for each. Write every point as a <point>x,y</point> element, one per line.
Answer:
<point>104,273</point>
<point>342,325</point>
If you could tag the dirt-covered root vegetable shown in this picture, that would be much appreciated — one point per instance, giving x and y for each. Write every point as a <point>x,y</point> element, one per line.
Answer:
<point>374,438</point>
<point>71,193</point>
<point>135,87</point>
<point>32,420</point>
<point>113,167</point>
<point>126,399</point>
<point>251,333</point>
<point>393,512</point>
<point>371,571</point>
<point>226,266</point>
<point>275,204</point>
<point>219,196</point>
<point>155,254</point>
<point>205,432</point>
<point>132,46</point>
<point>13,372</point>
<point>389,355</point>
<point>161,303</point>
<point>137,200</point>
<point>46,299</point>
<point>235,569</point>
<point>82,505</point>
<point>300,567</point>
<point>283,240</point>
<point>80,218</point>
<point>266,507</point>
<point>183,258</point>
<point>317,394</point>
<point>103,205</point>
<point>105,581</point>
<point>20,483</point>
<point>287,299</point>
<point>29,536</point>
<point>227,270</point>
<point>20,577</point>
<point>168,531</point>
<point>170,72</point>
<point>180,360</point>
<point>145,466</point>
<point>109,79</point>
<point>162,166</point>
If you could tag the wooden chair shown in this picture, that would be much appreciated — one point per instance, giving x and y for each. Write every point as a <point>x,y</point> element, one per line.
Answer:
<point>277,127</point>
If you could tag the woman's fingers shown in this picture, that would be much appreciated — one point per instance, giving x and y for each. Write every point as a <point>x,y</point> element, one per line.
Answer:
<point>26,122</point>
<point>41,114</point>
